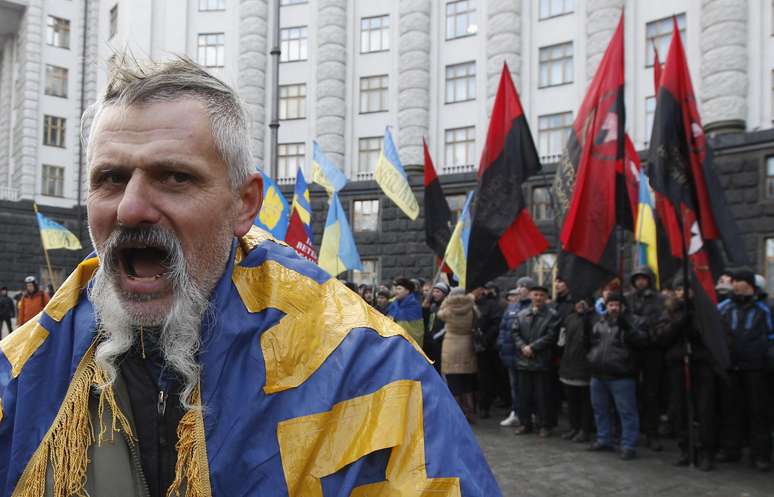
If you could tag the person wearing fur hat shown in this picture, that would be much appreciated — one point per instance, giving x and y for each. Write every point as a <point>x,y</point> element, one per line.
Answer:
<point>434,325</point>
<point>744,406</point>
<point>458,356</point>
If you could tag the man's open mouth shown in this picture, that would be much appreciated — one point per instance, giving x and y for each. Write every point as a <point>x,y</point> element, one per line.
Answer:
<point>144,262</point>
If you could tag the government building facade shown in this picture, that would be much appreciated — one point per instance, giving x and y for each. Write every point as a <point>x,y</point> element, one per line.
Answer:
<point>349,68</point>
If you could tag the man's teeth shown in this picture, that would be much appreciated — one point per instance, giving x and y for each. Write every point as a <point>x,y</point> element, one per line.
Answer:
<point>158,276</point>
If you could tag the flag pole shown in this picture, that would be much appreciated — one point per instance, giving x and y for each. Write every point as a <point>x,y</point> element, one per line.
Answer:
<point>45,252</point>
<point>687,383</point>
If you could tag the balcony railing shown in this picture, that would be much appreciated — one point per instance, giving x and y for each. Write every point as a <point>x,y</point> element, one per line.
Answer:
<point>364,176</point>
<point>458,169</point>
<point>550,158</point>
<point>286,181</point>
<point>8,193</point>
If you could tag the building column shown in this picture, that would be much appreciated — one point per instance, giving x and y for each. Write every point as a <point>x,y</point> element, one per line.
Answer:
<point>331,102</point>
<point>413,81</point>
<point>27,131</point>
<point>503,44</point>
<point>253,32</point>
<point>6,88</point>
<point>88,72</point>
<point>602,18</point>
<point>724,65</point>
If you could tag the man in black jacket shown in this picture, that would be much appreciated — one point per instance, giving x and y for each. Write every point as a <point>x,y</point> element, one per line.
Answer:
<point>491,373</point>
<point>751,333</point>
<point>433,324</point>
<point>535,331</point>
<point>676,329</point>
<point>646,304</point>
<point>7,310</point>
<point>574,371</point>
<point>613,373</point>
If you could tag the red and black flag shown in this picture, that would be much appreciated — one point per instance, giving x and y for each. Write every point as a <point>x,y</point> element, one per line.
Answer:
<point>657,69</point>
<point>503,234</point>
<point>689,200</point>
<point>596,183</point>
<point>437,213</point>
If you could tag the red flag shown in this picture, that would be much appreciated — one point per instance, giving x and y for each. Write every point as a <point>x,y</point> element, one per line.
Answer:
<point>657,69</point>
<point>299,235</point>
<point>503,234</point>
<point>596,183</point>
<point>437,212</point>
<point>689,201</point>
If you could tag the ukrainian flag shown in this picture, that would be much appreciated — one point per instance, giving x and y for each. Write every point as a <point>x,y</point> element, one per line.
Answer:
<point>324,172</point>
<point>274,215</point>
<point>391,177</point>
<point>56,236</point>
<point>456,255</point>
<point>338,252</point>
<point>645,233</point>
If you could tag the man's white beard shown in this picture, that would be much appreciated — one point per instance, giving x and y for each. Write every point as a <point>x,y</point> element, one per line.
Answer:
<point>178,331</point>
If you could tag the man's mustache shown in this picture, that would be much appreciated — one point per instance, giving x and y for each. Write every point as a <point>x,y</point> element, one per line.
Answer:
<point>164,241</point>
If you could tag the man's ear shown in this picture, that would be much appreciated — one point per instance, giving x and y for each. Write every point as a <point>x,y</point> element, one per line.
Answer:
<point>248,203</point>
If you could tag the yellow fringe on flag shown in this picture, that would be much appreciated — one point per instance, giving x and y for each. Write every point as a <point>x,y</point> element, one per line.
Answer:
<point>65,445</point>
<point>192,463</point>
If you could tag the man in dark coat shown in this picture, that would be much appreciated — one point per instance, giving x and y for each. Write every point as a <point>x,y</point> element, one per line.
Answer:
<point>744,398</point>
<point>676,329</point>
<point>647,305</point>
<point>518,300</point>
<point>490,371</point>
<point>574,372</point>
<point>613,373</point>
<point>535,331</point>
<point>7,310</point>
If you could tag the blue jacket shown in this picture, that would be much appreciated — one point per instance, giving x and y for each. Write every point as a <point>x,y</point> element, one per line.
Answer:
<point>751,332</point>
<point>505,344</point>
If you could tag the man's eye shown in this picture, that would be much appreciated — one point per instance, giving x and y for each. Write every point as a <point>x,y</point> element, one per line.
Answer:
<point>179,178</point>
<point>112,178</point>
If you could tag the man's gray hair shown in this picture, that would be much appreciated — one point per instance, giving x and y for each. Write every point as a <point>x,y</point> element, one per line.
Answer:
<point>133,83</point>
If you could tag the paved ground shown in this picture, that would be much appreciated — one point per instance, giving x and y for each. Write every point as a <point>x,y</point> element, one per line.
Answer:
<point>529,466</point>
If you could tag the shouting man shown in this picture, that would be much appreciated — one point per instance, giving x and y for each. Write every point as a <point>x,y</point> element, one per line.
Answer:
<point>196,356</point>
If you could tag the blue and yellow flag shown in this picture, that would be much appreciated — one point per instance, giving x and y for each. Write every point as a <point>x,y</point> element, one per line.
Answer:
<point>299,234</point>
<point>55,236</point>
<point>456,255</point>
<point>392,179</point>
<point>338,252</point>
<point>274,215</point>
<point>324,172</point>
<point>645,233</point>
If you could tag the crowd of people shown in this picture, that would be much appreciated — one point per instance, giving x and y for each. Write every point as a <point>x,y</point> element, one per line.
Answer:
<point>618,362</point>
<point>24,306</point>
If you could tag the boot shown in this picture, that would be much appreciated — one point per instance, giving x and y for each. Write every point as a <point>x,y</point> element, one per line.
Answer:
<point>684,459</point>
<point>706,461</point>
<point>581,437</point>
<point>569,435</point>
<point>469,407</point>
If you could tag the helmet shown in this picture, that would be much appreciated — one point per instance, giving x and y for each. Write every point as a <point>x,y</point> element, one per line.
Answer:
<point>30,279</point>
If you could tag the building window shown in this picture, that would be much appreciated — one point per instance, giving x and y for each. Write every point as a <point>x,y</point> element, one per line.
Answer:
<point>659,34</point>
<point>58,32</point>
<point>113,21</point>
<point>373,94</point>
<point>290,157</point>
<point>368,153</point>
<point>54,131</point>
<point>52,183</point>
<point>292,2</point>
<point>374,34</point>
<point>770,177</point>
<point>456,204</point>
<point>208,5</point>
<point>460,147</point>
<point>650,112</point>
<point>556,67</point>
<point>543,269</point>
<point>542,208</point>
<point>293,44</point>
<point>460,19</point>
<point>292,104</point>
<point>460,82</point>
<point>369,275</point>
<point>553,131</point>
<point>212,51</point>
<point>365,215</point>
<point>56,81</point>
<point>553,8</point>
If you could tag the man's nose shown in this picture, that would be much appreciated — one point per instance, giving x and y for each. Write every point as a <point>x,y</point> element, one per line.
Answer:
<point>136,206</point>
